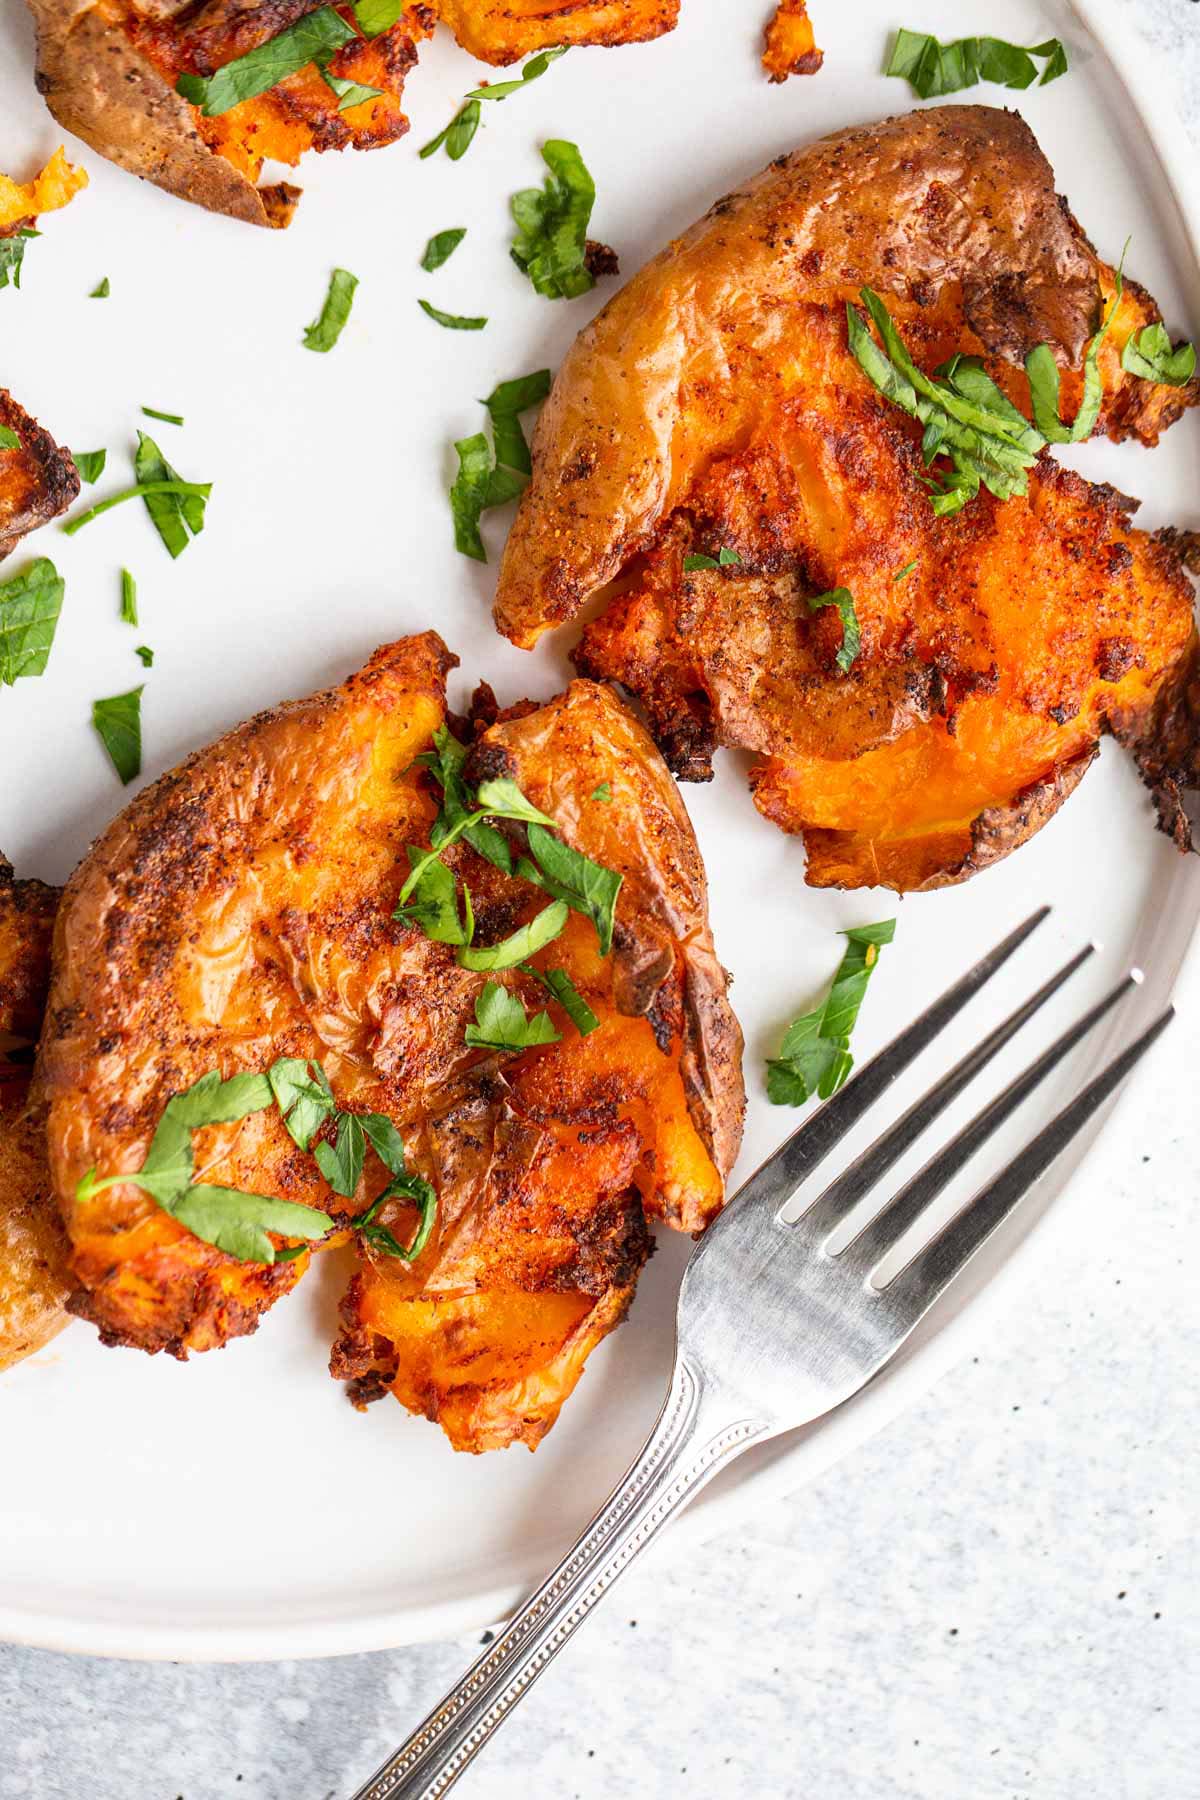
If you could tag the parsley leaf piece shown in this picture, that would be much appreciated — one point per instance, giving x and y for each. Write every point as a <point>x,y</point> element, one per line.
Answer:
<point>445,763</point>
<point>238,1222</point>
<point>173,514</point>
<point>29,607</point>
<point>559,983</point>
<point>303,1096</point>
<point>905,572</point>
<point>502,1024</point>
<point>843,599</point>
<point>525,942</point>
<point>101,291</point>
<point>385,1140</point>
<point>725,558</point>
<point>1148,353</point>
<point>119,722</point>
<point>166,417</point>
<point>551,242</point>
<point>603,793</point>
<point>90,463</point>
<point>586,886</point>
<point>814,1057</point>
<point>441,248</point>
<point>451,321</point>
<point>931,68</point>
<point>10,441</point>
<point>505,404</point>
<point>415,1191</point>
<point>504,800</point>
<point>12,255</point>
<point>327,328</point>
<point>349,93</point>
<point>377,16</point>
<point>190,492</point>
<point>457,134</point>
<point>314,35</point>
<point>146,654</point>
<point>536,66</point>
<point>341,1162</point>
<point>469,495</point>
<point>434,902</point>
<point>1042,371</point>
<point>211,1101</point>
<point>129,612</point>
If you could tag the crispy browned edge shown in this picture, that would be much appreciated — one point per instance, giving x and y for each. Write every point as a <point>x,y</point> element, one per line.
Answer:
<point>59,482</point>
<point>97,86</point>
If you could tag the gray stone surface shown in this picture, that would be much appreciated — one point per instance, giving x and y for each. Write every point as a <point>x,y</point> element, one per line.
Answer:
<point>994,1600</point>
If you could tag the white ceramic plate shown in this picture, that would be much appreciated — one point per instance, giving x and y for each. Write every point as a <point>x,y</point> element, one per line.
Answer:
<point>238,1507</point>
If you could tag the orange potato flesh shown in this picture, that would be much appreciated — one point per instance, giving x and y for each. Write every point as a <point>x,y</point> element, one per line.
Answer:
<point>790,47</point>
<point>22,201</point>
<point>502,31</point>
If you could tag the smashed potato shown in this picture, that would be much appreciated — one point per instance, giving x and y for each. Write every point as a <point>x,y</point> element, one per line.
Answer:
<point>789,47</point>
<point>21,202</point>
<point>240,910</point>
<point>33,1250</point>
<point>502,31</point>
<point>38,480</point>
<point>997,644</point>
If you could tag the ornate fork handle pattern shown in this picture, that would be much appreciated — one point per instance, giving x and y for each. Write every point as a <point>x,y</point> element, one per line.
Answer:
<point>683,1452</point>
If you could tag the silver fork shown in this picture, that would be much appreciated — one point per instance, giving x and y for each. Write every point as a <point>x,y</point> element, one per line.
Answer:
<point>774,1330</point>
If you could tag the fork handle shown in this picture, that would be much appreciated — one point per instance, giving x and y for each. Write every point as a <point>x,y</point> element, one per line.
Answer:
<point>686,1448</point>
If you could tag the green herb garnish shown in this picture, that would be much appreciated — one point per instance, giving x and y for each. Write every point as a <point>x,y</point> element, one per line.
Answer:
<point>146,656</point>
<point>814,1057</point>
<point>326,329</point>
<point>434,902</point>
<point>603,793</point>
<point>441,248</point>
<point>303,1096</point>
<point>29,607</point>
<point>452,321</point>
<point>457,135</point>
<point>551,242</point>
<point>559,983</point>
<point>905,572</point>
<point>12,255</point>
<point>101,291</point>
<point>536,66</point>
<point>377,16</point>
<point>313,36</point>
<point>341,1162</point>
<point>843,599</point>
<point>233,1221</point>
<point>119,722</point>
<point>488,478</point>
<point>523,943</point>
<point>1148,353</point>
<point>1042,371</point>
<point>586,886</point>
<point>90,463</point>
<point>445,763</point>
<point>965,415</point>
<point>349,93</point>
<point>931,68</point>
<point>10,441</point>
<point>501,1023</point>
<point>725,559</point>
<point>148,490</point>
<point>174,514</point>
<point>494,800</point>
<point>167,418</point>
<point>505,404</point>
<point>129,611</point>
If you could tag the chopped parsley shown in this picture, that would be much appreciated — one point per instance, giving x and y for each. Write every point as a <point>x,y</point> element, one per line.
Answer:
<point>101,291</point>
<point>488,477</point>
<point>551,242</point>
<point>814,1057</point>
<point>931,68</point>
<point>451,321</point>
<point>167,418</point>
<point>313,36</point>
<point>377,16</point>
<point>501,1023</point>
<point>1148,353</point>
<point>724,559</point>
<point>525,942</point>
<point>29,607</point>
<point>10,441</point>
<point>603,793</point>
<point>119,723</point>
<point>905,572</point>
<point>458,134</point>
<point>441,248</point>
<point>327,328</point>
<point>12,254</point>
<point>586,886</point>
<point>843,599</point>
<point>1042,371</point>
<point>145,655</point>
<point>174,514</point>
<point>90,463</point>
<point>129,611</point>
<point>559,983</point>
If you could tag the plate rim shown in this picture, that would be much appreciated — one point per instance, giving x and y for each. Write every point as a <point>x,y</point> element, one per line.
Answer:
<point>1136,68</point>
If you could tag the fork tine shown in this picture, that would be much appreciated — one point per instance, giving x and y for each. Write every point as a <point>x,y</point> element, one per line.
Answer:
<point>775,1180</point>
<point>926,1277</point>
<point>866,1171</point>
<point>890,1223</point>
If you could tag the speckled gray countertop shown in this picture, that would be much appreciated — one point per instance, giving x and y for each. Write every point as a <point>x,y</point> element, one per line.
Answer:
<point>996,1599</point>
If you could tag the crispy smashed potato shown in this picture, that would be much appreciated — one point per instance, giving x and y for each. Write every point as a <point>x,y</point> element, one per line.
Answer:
<point>33,1249</point>
<point>108,69</point>
<point>502,31</point>
<point>38,480</point>
<point>240,910</point>
<point>997,644</point>
<point>21,202</point>
<point>789,47</point>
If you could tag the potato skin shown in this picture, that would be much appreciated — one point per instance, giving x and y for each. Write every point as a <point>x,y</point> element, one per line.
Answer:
<point>714,403</point>
<point>33,1249</point>
<point>37,482</point>
<point>240,910</point>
